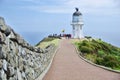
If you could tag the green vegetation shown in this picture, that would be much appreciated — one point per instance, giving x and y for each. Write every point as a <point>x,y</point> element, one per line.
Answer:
<point>100,52</point>
<point>47,41</point>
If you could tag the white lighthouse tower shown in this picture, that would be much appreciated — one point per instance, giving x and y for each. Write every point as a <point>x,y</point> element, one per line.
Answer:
<point>77,24</point>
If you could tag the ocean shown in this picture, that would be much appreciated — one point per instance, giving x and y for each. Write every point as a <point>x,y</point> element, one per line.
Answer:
<point>112,38</point>
<point>33,37</point>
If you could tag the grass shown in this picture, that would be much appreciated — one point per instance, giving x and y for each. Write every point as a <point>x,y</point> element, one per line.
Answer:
<point>47,41</point>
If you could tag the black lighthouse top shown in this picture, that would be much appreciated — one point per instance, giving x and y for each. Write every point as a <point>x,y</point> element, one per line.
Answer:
<point>77,13</point>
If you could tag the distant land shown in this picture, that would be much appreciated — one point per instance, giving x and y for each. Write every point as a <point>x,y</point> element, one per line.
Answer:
<point>34,37</point>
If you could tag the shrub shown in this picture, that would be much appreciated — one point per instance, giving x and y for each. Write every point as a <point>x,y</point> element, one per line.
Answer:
<point>115,52</point>
<point>88,37</point>
<point>112,64</point>
<point>105,46</point>
<point>91,57</point>
<point>96,45</point>
<point>85,49</point>
<point>99,61</point>
<point>100,53</point>
<point>85,43</point>
<point>111,61</point>
<point>108,61</point>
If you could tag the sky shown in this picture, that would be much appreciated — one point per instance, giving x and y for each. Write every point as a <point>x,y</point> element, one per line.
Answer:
<point>34,19</point>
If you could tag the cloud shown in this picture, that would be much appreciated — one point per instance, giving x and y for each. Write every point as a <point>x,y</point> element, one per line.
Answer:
<point>99,7</point>
<point>90,3</point>
<point>107,7</point>
<point>117,2</point>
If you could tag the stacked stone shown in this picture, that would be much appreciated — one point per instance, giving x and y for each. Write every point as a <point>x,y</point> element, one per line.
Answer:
<point>18,59</point>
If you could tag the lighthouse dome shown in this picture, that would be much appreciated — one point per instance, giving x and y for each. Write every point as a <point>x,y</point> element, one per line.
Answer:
<point>77,13</point>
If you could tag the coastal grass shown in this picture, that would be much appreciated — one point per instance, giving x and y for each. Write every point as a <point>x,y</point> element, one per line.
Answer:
<point>47,41</point>
<point>99,52</point>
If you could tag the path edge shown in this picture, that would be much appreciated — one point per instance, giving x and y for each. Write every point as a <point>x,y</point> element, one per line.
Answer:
<point>47,69</point>
<point>88,61</point>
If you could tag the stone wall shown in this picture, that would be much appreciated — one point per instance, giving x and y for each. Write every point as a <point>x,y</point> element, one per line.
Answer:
<point>18,59</point>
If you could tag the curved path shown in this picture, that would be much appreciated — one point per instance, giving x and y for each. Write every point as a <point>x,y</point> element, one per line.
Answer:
<point>68,66</point>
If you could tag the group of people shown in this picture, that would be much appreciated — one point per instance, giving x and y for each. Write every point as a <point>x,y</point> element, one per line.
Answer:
<point>67,36</point>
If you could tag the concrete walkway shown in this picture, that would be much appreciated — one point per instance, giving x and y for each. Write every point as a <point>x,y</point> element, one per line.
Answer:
<point>68,66</point>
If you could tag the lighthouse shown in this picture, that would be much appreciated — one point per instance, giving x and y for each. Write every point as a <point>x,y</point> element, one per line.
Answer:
<point>77,23</point>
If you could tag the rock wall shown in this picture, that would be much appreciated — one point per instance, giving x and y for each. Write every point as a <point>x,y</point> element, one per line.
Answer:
<point>18,59</point>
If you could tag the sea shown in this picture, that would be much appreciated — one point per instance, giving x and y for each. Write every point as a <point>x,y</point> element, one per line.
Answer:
<point>34,37</point>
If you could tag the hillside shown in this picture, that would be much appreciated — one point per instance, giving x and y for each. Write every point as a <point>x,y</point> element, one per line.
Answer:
<point>48,41</point>
<point>100,52</point>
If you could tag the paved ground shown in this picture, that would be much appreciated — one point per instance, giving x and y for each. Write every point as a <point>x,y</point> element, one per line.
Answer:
<point>68,66</point>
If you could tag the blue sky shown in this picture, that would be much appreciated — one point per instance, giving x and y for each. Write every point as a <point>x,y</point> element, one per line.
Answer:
<point>34,19</point>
